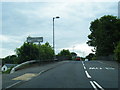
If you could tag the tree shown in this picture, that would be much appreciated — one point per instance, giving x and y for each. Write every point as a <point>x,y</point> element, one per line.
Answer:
<point>104,35</point>
<point>65,54</point>
<point>90,56</point>
<point>117,52</point>
<point>30,51</point>
<point>11,59</point>
<point>74,55</point>
<point>46,52</point>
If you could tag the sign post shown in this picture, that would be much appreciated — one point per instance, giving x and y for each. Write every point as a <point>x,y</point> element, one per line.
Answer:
<point>35,39</point>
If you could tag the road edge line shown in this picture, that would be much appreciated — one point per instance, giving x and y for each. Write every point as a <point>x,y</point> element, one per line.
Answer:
<point>13,84</point>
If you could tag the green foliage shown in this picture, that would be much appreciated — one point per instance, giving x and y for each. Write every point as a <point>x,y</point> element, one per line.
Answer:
<point>65,54</point>
<point>104,35</point>
<point>8,71</point>
<point>30,51</point>
<point>73,54</point>
<point>91,56</point>
<point>27,51</point>
<point>46,52</point>
<point>117,52</point>
<point>13,59</point>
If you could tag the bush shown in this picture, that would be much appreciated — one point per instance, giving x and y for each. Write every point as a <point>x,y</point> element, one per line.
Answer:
<point>117,52</point>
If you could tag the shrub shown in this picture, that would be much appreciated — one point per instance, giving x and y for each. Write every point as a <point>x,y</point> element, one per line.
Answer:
<point>117,52</point>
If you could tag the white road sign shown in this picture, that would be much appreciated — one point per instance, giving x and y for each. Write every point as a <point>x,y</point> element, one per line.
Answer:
<point>34,39</point>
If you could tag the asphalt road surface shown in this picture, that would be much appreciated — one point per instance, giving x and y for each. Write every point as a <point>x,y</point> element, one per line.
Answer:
<point>94,75</point>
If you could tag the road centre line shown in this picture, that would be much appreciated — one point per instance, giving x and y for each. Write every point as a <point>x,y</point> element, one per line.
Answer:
<point>87,74</point>
<point>98,85</point>
<point>93,85</point>
<point>84,67</point>
<point>82,63</point>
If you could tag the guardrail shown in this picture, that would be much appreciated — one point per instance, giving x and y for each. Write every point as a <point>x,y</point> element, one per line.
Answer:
<point>28,62</point>
<point>19,65</point>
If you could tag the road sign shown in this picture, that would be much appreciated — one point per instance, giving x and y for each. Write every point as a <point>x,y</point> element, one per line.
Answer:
<point>34,39</point>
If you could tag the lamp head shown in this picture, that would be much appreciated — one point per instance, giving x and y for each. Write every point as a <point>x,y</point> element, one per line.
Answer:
<point>57,17</point>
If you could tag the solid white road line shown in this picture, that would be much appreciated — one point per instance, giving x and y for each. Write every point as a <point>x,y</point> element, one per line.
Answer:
<point>98,85</point>
<point>87,74</point>
<point>12,85</point>
<point>93,85</point>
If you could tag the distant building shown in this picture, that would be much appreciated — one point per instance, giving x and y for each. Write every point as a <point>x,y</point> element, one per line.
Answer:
<point>7,66</point>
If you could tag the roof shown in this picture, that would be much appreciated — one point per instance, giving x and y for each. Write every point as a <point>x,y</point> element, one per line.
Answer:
<point>10,65</point>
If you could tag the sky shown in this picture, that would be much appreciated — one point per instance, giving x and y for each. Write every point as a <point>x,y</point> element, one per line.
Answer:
<point>18,20</point>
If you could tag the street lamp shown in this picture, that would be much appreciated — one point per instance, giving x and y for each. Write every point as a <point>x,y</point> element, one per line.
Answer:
<point>54,33</point>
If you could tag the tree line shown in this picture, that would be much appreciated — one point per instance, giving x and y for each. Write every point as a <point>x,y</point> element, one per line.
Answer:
<point>105,36</point>
<point>31,51</point>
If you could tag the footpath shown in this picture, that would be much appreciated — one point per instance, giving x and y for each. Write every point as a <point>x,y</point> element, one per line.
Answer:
<point>20,76</point>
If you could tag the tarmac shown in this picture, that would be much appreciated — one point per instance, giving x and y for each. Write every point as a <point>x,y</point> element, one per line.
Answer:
<point>9,80</point>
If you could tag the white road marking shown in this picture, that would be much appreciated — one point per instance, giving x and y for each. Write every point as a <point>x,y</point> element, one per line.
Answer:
<point>82,63</point>
<point>98,85</point>
<point>109,68</point>
<point>41,72</point>
<point>100,68</point>
<point>84,67</point>
<point>25,77</point>
<point>13,85</point>
<point>93,85</point>
<point>87,74</point>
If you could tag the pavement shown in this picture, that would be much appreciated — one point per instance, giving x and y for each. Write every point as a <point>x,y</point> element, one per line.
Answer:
<point>9,80</point>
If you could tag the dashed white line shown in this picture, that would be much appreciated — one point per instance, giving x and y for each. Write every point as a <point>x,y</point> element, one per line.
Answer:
<point>84,67</point>
<point>87,74</point>
<point>98,85</point>
<point>93,85</point>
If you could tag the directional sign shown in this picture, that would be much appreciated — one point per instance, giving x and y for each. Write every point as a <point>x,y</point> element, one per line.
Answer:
<point>34,39</point>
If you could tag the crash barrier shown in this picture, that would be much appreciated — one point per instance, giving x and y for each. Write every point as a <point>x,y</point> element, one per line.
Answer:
<point>30,62</point>
<point>19,65</point>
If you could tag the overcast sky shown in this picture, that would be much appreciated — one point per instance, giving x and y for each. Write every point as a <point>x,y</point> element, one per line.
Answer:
<point>21,19</point>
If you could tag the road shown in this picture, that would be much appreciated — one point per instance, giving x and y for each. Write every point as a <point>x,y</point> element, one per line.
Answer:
<point>94,75</point>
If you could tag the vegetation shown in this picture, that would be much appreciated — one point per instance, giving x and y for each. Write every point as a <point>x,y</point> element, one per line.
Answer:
<point>30,51</point>
<point>117,52</point>
<point>91,56</point>
<point>73,55</point>
<point>64,54</point>
<point>8,71</point>
<point>105,34</point>
<point>10,59</point>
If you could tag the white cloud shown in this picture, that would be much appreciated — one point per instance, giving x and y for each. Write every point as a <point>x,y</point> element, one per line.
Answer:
<point>81,49</point>
<point>5,52</point>
<point>9,39</point>
<point>59,0</point>
<point>35,19</point>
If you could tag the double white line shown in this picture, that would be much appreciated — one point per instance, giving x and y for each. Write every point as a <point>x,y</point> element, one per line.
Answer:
<point>93,83</point>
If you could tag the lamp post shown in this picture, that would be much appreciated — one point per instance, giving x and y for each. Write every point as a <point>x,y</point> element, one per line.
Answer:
<point>54,33</point>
